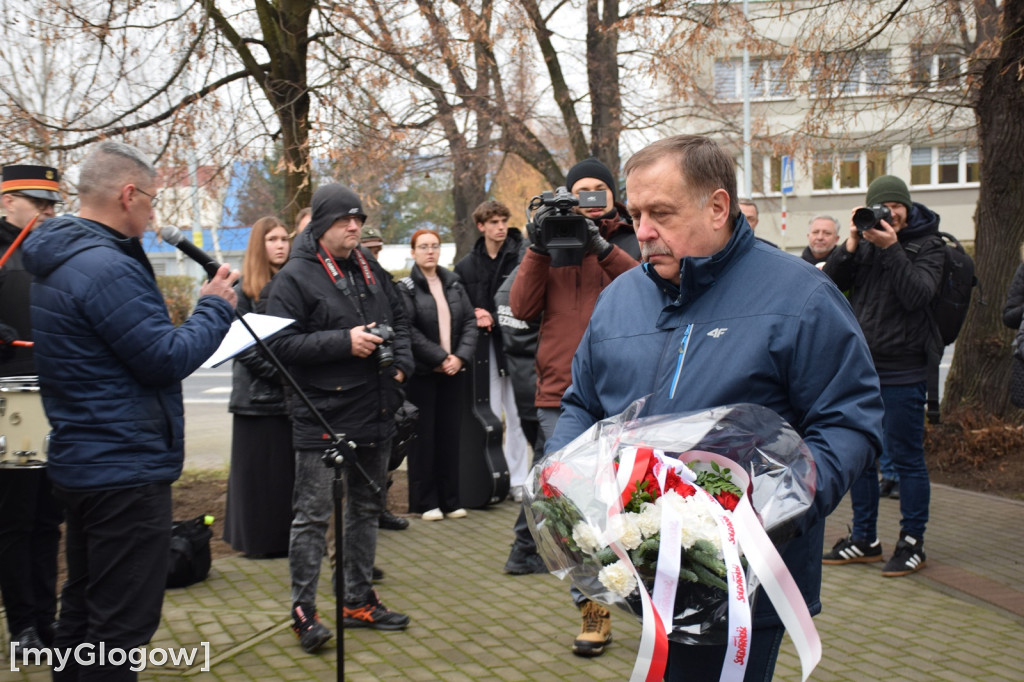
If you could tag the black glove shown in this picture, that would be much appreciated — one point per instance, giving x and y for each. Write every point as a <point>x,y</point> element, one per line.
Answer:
<point>597,244</point>
<point>7,335</point>
<point>533,229</point>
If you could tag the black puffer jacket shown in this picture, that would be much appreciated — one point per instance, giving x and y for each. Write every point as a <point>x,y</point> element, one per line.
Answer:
<point>1013,311</point>
<point>891,290</point>
<point>256,386</point>
<point>14,305</point>
<point>355,395</point>
<point>423,327</point>
<point>482,275</point>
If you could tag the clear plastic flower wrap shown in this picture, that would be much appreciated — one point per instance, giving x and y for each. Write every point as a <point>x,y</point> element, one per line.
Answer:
<point>578,503</point>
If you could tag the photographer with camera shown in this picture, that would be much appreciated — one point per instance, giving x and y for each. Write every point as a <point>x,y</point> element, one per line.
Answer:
<point>892,264</point>
<point>581,241</point>
<point>349,350</point>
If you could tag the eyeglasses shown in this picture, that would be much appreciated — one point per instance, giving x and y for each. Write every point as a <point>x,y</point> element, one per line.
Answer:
<point>152,197</point>
<point>39,204</point>
<point>428,247</point>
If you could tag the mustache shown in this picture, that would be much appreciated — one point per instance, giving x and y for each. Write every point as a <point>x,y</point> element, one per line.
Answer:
<point>648,249</point>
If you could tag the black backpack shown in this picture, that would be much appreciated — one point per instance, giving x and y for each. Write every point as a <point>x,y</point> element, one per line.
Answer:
<point>190,551</point>
<point>949,307</point>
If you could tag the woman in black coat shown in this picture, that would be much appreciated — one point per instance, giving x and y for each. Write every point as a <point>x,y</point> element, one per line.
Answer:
<point>443,329</point>
<point>259,506</point>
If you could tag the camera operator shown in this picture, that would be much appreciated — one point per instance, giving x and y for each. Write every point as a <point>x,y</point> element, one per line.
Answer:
<point>349,351</point>
<point>563,284</point>
<point>892,262</point>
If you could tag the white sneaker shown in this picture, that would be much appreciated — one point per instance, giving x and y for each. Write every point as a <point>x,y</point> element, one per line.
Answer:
<point>517,493</point>
<point>457,514</point>
<point>432,515</point>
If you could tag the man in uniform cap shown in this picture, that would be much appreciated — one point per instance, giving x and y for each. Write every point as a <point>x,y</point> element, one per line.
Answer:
<point>372,241</point>
<point>29,515</point>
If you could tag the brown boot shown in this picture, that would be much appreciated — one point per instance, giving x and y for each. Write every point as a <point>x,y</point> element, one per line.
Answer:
<point>596,631</point>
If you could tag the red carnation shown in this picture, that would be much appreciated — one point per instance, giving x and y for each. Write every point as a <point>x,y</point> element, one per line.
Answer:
<point>728,499</point>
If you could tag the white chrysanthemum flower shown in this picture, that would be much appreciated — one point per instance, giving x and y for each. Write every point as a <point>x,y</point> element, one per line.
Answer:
<point>618,578</point>
<point>587,538</point>
<point>650,519</point>
<point>625,529</point>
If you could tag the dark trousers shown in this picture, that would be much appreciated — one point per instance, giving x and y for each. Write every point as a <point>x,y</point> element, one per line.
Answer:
<point>30,519</point>
<point>704,662</point>
<point>118,545</point>
<point>434,458</point>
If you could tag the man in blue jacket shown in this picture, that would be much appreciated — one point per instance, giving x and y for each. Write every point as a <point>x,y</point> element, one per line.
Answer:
<point>715,317</point>
<point>110,366</point>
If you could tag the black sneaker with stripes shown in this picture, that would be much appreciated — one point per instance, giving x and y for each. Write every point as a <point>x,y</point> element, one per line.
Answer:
<point>907,558</point>
<point>850,551</point>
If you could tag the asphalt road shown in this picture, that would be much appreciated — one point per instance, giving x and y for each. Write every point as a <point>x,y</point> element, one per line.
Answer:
<point>208,422</point>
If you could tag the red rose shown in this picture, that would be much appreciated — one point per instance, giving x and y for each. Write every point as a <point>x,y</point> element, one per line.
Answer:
<point>558,471</point>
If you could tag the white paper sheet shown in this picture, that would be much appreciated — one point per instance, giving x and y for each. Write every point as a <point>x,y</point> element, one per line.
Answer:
<point>239,339</point>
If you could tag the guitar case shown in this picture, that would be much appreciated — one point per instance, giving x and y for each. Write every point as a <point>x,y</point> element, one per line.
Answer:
<point>483,472</point>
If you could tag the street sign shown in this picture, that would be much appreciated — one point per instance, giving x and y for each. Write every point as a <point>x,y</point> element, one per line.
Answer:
<point>788,175</point>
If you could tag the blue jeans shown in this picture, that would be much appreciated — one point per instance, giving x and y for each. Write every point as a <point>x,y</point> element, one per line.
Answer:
<point>313,504</point>
<point>903,436</point>
<point>704,662</point>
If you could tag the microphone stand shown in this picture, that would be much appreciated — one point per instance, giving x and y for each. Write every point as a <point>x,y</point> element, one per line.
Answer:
<point>333,458</point>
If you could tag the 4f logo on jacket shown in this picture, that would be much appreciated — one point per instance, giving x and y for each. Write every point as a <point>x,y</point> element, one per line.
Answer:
<point>717,332</point>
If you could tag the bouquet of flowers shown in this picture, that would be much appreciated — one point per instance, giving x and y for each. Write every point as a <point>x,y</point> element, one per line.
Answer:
<point>670,517</point>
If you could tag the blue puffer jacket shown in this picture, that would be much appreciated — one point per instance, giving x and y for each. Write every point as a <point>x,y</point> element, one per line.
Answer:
<point>110,362</point>
<point>763,327</point>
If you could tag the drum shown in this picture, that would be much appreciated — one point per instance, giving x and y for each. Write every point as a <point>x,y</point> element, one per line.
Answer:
<point>24,430</point>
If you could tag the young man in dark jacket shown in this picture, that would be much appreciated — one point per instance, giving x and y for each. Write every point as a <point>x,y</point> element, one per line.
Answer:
<point>495,254</point>
<point>892,271</point>
<point>110,366</point>
<point>348,321</point>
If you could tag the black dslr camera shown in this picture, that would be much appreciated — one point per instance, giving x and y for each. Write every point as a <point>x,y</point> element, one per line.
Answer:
<point>561,227</point>
<point>384,355</point>
<point>868,217</point>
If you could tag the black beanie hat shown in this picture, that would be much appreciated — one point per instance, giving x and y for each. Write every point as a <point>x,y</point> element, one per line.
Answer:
<point>330,203</point>
<point>888,188</point>
<point>591,168</point>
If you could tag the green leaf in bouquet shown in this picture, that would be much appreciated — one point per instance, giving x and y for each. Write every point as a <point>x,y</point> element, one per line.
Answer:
<point>687,575</point>
<point>606,556</point>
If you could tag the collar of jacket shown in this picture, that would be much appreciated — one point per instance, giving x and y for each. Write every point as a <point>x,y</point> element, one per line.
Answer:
<point>420,280</point>
<point>511,244</point>
<point>698,274</point>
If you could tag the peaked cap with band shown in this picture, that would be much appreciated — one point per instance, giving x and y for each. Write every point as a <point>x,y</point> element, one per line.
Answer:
<point>38,182</point>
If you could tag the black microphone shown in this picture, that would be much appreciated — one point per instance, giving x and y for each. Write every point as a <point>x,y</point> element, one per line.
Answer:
<point>174,237</point>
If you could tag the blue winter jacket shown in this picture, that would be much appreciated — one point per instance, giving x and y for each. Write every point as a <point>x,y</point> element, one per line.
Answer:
<point>750,324</point>
<point>110,361</point>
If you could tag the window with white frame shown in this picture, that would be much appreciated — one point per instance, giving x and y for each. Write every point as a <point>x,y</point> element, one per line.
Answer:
<point>766,79</point>
<point>765,172</point>
<point>850,169</point>
<point>935,68</point>
<point>861,73</point>
<point>943,166</point>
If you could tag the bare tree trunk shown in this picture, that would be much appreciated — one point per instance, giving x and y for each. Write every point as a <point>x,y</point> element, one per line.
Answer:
<point>603,75</point>
<point>980,376</point>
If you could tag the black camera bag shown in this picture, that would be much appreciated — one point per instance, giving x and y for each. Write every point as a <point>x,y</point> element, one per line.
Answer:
<point>190,552</point>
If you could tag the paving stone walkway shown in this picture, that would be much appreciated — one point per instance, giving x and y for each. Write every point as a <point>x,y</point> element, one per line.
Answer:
<point>962,618</point>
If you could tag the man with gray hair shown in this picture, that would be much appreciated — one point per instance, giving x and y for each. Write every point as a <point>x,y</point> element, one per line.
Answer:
<point>110,366</point>
<point>748,320</point>
<point>822,237</point>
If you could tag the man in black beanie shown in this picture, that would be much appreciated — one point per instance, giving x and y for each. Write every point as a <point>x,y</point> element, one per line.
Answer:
<point>349,350</point>
<point>893,272</point>
<point>563,285</point>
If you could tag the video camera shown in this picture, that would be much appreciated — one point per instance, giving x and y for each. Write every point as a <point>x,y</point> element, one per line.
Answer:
<point>561,227</point>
